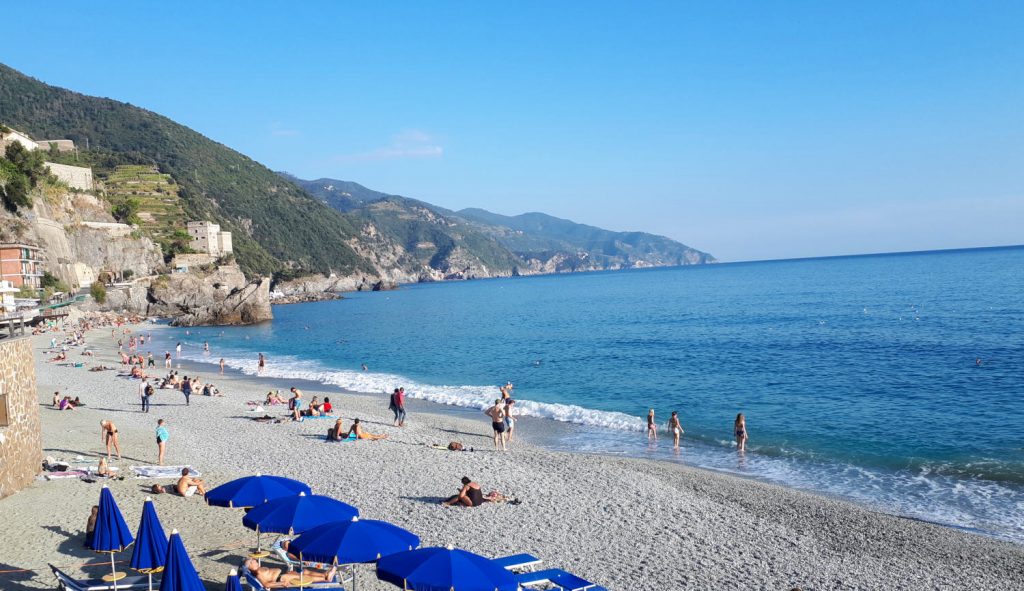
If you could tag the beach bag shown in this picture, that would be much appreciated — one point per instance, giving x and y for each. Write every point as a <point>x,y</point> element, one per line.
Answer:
<point>455,446</point>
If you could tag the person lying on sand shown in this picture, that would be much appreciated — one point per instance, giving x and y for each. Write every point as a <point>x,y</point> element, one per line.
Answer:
<point>469,495</point>
<point>275,578</point>
<point>188,486</point>
<point>60,357</point>
<point>357,429</point>
<point>274,398</point>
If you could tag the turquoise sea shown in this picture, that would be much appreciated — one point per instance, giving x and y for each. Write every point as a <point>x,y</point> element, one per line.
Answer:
<point>857,375</point>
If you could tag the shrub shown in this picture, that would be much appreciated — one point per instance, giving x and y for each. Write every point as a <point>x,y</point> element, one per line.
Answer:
<point>98,292</point>
<point>127,274</point>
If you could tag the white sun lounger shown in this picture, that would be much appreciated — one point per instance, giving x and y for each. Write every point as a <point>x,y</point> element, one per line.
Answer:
<point>518,562</point>
<point>66,582</point>
<point>558,579</point>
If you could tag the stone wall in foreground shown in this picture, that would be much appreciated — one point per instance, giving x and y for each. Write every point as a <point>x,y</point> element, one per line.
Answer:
<point>21,448</point>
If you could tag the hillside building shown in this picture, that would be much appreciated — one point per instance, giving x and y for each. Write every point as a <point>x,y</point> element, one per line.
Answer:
<point>76,177</point>
<point>207,237</point>
<point>21,265</point>
<point>14,136</point>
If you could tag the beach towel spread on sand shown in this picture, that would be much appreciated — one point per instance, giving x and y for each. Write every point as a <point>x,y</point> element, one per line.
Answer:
<point>162,471</point>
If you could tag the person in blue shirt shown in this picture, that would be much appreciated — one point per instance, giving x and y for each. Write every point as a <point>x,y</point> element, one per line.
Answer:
<point>161,440</point>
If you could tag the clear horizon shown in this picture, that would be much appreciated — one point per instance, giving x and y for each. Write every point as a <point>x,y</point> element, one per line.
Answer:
<point>746,131</point>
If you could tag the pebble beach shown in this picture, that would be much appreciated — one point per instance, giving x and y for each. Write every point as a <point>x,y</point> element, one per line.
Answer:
<point>622,523</point>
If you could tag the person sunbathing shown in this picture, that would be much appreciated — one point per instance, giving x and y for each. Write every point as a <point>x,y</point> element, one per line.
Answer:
<point>275,578</point>
<point>60,357</point>
<point>357,429</point>
<point>66,404</point>
<point>469,495</point>
<point>137,373</point>
<point>274,398</point>
<point>335,432</point>
<point>188,486</point>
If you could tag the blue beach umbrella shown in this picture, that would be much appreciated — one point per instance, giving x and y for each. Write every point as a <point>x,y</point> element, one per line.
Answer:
<point>233,583</point>
<point>150,543</point>
<point>353,541</point>
<point>179,574</point>
<point>112,534</point>
<point>444,569</point>
<point>252,491</point>
<point>296,514</point>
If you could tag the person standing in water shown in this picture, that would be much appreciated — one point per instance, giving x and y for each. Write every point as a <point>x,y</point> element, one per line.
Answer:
<point>206,346</point>
<point>652,429</point>
<point>740,431</point>
<point>675,428</point>
<point>261,364</point>
<point>177,350</point>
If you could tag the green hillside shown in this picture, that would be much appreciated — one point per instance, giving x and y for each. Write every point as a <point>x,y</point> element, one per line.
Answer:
<point>276,225</point>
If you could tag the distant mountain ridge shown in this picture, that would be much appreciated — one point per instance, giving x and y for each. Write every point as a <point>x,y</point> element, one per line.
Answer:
<point>475,242</point>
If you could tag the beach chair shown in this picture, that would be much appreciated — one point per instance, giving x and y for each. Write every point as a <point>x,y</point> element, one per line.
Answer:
<point>518,562</point>
<point>66,582</point>
<point>557,579</point>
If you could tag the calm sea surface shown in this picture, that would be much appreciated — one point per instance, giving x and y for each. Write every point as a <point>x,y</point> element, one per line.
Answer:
<point>857,375</point>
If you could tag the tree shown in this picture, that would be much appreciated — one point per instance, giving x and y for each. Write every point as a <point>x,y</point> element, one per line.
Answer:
<point>14,187</point>
<point>127,274</point>
<point>127,211</point>
<point>98,292</point>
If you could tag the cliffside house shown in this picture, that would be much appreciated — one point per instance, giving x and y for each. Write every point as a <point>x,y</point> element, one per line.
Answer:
<point>207,238</point>
<point>21,265</point>
<point>12,136</point>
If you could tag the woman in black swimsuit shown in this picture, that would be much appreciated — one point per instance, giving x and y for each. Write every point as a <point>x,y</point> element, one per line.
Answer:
<point>469,496</point>
<point>740,431</point>
<point>109,433</point>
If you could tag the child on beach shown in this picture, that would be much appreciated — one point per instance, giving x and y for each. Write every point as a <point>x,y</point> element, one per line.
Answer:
<point>161,441</point>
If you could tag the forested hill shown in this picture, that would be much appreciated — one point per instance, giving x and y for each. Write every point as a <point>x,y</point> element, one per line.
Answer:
<point>527,243</point>
<point>276,224</point>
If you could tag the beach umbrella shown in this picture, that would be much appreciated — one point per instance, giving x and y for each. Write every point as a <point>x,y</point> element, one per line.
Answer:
<point>112,534</point>
<point>251,491</point>
<point>179,574</point>
<point>296,514</point>
<point>233,583</point>
<point>150,543</point>
<point>444,569</point>
<point>353,541</point>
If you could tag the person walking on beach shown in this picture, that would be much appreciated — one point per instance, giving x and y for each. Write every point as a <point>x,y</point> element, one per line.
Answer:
<point>161,441</point>
<point>186,389</point>
<point>652,429</point>
<point>739,429</point>
<point>398,406</point>
<point>510,420</point>
<point>108,431</point>
<point>147,391</point>
<point>497,414</point>
<point>221,366</point>
<point>261,364</point>
<point>675,428</point>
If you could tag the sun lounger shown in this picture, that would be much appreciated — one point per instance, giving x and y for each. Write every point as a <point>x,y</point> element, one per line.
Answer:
<point>255,585</point>
<point>66,582</point>
<point>345,572</point>
<point>557,578</point>
<point>518,562</point>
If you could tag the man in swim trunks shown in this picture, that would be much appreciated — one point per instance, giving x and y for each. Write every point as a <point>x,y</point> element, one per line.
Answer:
<point>188,486</point>
<point>274,578</point>
<point>497,414</point>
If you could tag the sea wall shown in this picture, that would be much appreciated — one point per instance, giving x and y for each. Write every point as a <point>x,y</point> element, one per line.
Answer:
<point>21,446</point>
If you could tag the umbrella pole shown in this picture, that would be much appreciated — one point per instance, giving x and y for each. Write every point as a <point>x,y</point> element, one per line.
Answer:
<point>113,572</point>
<point>150,573</point>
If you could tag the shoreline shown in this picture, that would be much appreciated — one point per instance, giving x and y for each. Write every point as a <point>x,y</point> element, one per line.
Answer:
<point>617,521</point>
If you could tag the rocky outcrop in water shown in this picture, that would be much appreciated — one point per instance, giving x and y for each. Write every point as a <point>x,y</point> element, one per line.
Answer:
<point>223,296</point>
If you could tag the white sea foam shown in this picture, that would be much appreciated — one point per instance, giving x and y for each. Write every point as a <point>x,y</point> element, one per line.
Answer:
<point>480,397</point>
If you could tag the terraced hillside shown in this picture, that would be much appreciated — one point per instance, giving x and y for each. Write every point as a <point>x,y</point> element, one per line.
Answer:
<point>159,206</point>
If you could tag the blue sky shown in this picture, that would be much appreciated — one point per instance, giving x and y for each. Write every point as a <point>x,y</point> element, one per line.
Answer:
<point>749,130</point>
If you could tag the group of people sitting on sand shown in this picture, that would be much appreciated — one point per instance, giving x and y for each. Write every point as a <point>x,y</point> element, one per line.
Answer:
<point>300,409</point>
<point>186,486</point>
<point>66,403</point>
<point>356,431</point>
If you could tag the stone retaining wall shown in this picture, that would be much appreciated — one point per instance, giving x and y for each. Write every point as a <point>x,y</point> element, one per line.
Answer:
<point>21,448</point>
